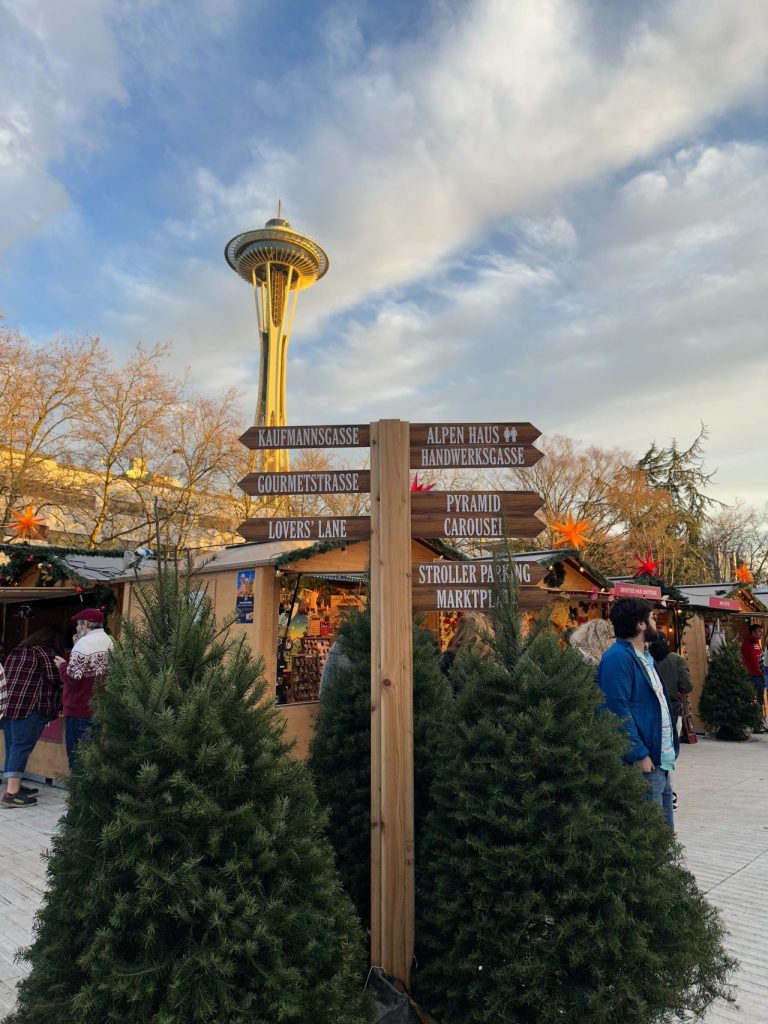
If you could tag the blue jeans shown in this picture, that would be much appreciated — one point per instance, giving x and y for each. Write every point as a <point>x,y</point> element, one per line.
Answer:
<point>76,731</point>
<point>21,735</point>
<point>660,791</point>
<point>759,684</point>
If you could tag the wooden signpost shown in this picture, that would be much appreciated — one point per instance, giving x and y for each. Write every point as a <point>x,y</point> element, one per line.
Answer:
<point>309,528</point>
<point>478,514</point>
<point>347,481</point>
<point>397,589</point>
<point>473,445</point>
<point>268,438</point>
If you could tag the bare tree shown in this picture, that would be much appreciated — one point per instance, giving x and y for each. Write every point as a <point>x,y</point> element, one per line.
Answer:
<point>121,425</point>
<point>735,534</point>
<point>41,390</point>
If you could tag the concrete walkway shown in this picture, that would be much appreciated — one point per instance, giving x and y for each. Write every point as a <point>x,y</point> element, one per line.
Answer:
<point>722,822</point>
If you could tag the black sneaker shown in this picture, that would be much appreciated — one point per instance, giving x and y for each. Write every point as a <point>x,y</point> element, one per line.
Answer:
<point>28,790</point>
<point>18,800</point>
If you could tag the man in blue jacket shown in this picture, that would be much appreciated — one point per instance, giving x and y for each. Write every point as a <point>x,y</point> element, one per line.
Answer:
<point>633,691</point>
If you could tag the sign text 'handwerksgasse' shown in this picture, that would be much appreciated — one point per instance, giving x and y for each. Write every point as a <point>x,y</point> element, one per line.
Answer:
<point>356,435</point>
<point>310,528</point>
<point>348,481</point>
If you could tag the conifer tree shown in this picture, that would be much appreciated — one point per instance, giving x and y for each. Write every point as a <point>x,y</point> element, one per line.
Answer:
<point>553,892</point>
<point>191,881</point>
<point>340,758</point>
<point>727,704</point>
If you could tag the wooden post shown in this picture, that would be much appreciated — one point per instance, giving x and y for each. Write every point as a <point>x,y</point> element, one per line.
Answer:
<point>263,632</point>
<point>392,839</point>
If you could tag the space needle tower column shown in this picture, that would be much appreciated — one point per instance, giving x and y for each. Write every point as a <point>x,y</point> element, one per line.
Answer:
<point>278,263</point>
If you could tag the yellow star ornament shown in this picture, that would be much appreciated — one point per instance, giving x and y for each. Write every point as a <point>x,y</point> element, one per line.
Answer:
<point>743,575</point>
<point>27,523</point>
<point>573,532</point>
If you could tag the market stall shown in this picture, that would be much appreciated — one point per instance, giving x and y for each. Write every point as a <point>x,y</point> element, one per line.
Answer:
<point>42,585</point>
<point>718,611</point>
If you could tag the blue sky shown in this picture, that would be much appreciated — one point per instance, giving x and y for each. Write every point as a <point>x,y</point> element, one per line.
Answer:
<point>553,210</point>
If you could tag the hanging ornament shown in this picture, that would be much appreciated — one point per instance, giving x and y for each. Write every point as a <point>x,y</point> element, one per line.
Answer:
<point>645,566</point>
<point>743,575</point>
<point>27,524</point>
<point>572,531</point>
<point>416,486</point>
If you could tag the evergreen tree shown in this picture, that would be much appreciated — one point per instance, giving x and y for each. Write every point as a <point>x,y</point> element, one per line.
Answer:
<point>553,892</point>
<point>727,703</point>
<point>340,758</point>
<point>191,880</point>
<point>681,473</point>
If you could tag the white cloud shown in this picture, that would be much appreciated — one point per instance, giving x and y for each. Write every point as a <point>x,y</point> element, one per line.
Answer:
<point>59,66</point>
<point>425,148</point>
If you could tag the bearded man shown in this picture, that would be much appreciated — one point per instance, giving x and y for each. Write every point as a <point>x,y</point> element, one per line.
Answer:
<point>84,673</point>
<point>634,692</point>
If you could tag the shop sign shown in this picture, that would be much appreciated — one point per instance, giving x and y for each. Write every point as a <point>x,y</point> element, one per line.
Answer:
<point>725,604</point>
<point>467,514</point>
<point>311,528</point>
<point>648,593</point>
<point>481,572</point>
<point>244,600</point>
<point>348,436</point>
<point>348,481</point>
<point>448,599</point>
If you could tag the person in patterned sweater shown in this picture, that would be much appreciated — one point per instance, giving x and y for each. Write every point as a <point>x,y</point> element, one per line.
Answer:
<point>31,699</point>
<point>84,672</point>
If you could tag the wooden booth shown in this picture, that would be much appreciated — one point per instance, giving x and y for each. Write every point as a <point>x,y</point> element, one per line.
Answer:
<point>718,611</point>
<point>42,585</point>
<point>288,600</point>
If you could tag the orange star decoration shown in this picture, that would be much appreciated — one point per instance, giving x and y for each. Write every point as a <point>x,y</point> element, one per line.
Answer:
<point>27,523</point>
<point>743,575</point>
<point>573,532</point>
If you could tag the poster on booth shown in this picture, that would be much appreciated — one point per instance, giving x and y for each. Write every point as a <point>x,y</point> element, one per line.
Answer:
<point>244,599</point>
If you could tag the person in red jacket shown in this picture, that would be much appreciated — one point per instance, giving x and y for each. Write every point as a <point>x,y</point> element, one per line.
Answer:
<point>751,652</point>
<point>85,671</point>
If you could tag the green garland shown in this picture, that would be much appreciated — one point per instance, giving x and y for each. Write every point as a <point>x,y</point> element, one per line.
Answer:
<point>51,570</point>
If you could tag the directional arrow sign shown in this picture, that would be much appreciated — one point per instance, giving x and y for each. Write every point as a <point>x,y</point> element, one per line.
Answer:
<point>348,481</point>
<point>443,599</point>
<point>310,528</point>
<point>473,445</point>
<point>472,435</point>
<point>466,514</point>
<point>478,572</point>
<point>354,436</point>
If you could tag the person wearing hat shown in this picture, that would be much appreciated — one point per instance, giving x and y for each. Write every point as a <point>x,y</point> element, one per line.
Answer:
<point>85,671</point>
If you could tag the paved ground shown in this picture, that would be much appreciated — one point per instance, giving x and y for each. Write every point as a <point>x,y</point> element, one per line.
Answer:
<point>722,821</point>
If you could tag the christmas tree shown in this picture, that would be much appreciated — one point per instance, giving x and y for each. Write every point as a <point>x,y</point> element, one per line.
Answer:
<point>553,891</point>
<point>340,758</point>
<point>727,703</point>
<point>191,880</point>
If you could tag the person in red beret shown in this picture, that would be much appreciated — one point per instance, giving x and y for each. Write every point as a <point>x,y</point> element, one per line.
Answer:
<point>84,672</point>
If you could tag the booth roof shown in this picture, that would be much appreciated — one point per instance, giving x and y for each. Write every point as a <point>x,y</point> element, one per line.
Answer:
<point>698,594</point>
